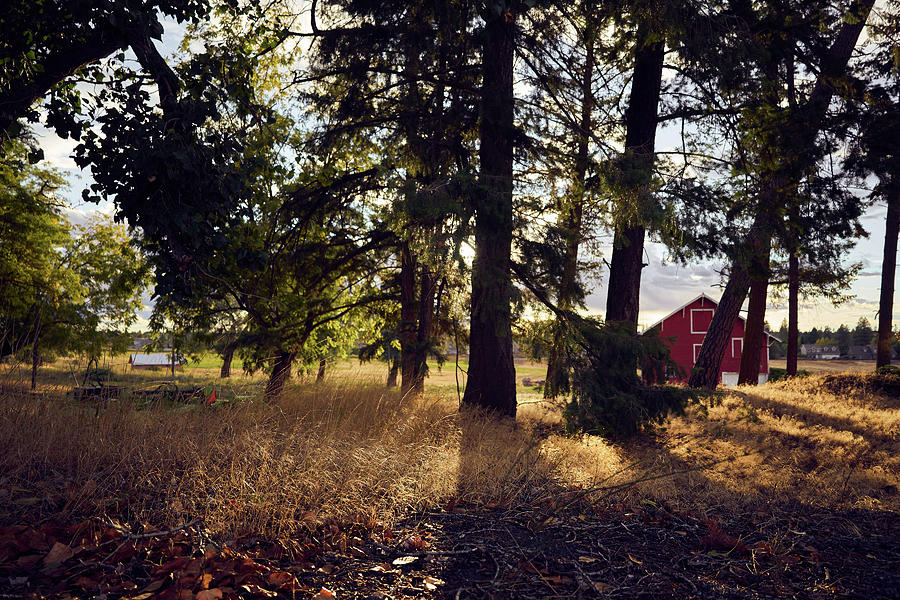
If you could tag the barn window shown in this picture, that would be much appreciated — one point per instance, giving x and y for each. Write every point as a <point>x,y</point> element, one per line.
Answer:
<point>697,351</point>
<point>737,346</point>
<point>700,319</point>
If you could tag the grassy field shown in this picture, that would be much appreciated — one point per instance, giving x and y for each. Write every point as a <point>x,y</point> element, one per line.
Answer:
<point>828,366</point>
<point>801,471</point>
<point>62,375</point>
<point>352,450</point>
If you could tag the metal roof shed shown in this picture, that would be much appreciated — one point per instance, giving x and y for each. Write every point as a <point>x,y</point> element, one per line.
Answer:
<point>155,360</point>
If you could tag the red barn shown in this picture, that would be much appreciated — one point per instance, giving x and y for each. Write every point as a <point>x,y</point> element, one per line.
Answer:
<point>688,324</point>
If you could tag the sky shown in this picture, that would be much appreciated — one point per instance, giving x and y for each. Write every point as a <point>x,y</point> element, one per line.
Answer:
<point>665,286</point>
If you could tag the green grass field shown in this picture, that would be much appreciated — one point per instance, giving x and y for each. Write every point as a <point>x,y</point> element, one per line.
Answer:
<point>64,374</point>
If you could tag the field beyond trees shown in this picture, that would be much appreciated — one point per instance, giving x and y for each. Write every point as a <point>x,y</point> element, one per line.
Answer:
<point>788,489</point>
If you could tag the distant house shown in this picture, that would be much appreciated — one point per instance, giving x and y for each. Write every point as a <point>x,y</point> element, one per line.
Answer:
<point>155,360</point>
<point>688,325</point>
<point>861,352</point>
<point>817,352</point>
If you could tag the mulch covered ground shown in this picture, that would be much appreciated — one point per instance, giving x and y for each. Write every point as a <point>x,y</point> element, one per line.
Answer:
<point>474,552</point>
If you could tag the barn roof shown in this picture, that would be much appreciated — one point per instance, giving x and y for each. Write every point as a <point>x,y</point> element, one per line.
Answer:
<point>154,359</point>
<point>691,301</point>
<point>682,307</point>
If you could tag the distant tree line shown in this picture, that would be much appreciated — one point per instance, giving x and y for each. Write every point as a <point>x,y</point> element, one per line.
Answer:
<point>843,337</point>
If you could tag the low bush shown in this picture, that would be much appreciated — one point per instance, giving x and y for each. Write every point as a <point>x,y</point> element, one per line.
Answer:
<point>776,374</point>
<point>608,397</point>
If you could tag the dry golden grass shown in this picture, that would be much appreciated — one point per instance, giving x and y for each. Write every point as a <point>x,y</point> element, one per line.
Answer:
<point>354,452</point>
<point>351,453</point>
<point>791,442</point>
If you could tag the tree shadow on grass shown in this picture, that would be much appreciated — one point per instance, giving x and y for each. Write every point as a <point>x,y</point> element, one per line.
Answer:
<point>815,417</point>
<point>724,542</point>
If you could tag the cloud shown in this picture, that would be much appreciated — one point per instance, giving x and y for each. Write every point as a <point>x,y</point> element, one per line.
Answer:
<point>57,151</point>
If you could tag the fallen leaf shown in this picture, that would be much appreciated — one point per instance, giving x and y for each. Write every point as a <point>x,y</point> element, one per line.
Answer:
<point>176,564</point>
<point>59,553</point>
<point>634,560</point>
<point>85,583</point>
<point>587,559</point>
<point>324,594</point>
<point>259,591</point>
<point>327,569</point>
<point>205,580</point>
<point>414,542</point>
<point>29,561</point>
<point>404,560</point>
<point>213,594</point>
<point>280,578</point>
<point>432,583</point>
<point>382,568</point>
<point>154,586</point>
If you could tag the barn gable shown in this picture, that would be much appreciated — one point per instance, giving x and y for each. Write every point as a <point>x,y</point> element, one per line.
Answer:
<point>685,329</point>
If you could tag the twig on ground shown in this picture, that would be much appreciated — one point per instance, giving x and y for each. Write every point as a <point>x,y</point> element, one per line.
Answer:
<point>130,537</point>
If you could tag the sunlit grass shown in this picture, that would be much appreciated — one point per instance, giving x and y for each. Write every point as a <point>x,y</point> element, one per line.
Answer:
<point>352,451</point>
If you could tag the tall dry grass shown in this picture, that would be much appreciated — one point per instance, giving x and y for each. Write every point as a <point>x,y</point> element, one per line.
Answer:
<point>800,441</point>
<point>348,453</point>
<point>356,453</point>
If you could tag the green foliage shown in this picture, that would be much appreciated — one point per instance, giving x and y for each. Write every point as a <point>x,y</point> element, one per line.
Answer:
<point>891,370</point>
<point>608,397</point>
<point>863,334</point>
<point>776,374</point>
<point>31,231</point>
<point>66,289</point>
<point>535,337</point>
<point>47,46</point>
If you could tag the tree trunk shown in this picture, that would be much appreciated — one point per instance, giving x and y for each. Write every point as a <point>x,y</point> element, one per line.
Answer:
<point>492,374</point>
<point>393,370</point>
<point>754,327</point>
<point>227,357</point>
<point>557,379</point>
<point>793,312</point>
<point>706,369</point>
<point>754,333</point>
<point>320,375</point>
<point>888,272</point>
<point>626,264</point>
<point>281,372</point>
<point>35,347</point>
<point>408,313</point>
<point>423,333</point>
<point>705,373</point>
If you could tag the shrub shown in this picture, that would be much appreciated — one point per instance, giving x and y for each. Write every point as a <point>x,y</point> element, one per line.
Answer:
<point>776,374</point>
<point>608,397</point>
<point>888,370</point>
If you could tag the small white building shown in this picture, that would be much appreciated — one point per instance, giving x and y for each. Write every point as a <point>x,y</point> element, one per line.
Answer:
<point>155,360</point>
